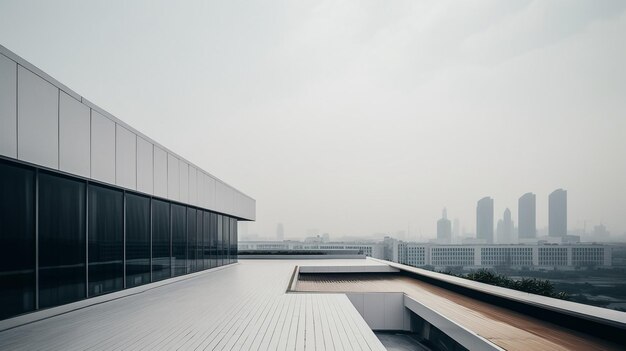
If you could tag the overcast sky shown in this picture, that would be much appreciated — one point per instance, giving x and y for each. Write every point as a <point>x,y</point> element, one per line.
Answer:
<point>357,117</point>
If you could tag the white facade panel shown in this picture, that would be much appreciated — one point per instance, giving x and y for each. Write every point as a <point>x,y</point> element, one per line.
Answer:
<point>193,185</point>
<point>45,123</point>
<point>125,158</point>
<point>210,193</point>
<point>236,203</point>
<point>37,120</point>
<point>145,166</point>
<point>160,172</point>
<point>202,185</point>
<point>74,136</point>
<point>173,179</point>
<point>184,181</point>
<point>8,107</point>
<point>102,148</point>
<point>221,196</point>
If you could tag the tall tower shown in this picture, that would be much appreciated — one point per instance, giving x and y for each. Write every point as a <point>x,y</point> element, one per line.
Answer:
<point>557,215</point>
<point>505,228</point>
<point>484,219</point>
<point>526,216</point>
<point>444,228</point>
<point>280,232</point>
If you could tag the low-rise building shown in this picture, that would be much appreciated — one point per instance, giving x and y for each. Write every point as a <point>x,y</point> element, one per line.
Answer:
<point>542,256</point>
<point>375,250</point>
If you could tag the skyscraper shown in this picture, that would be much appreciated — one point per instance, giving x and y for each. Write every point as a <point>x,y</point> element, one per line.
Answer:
<point>444,228</point>
<point>557,215</point>
<point>280,232</point>
<point>505,228</point>
<point>526,216</point>
<point>484,219</point>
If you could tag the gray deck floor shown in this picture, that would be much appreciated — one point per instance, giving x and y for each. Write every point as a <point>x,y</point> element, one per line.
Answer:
<point>242,307</point>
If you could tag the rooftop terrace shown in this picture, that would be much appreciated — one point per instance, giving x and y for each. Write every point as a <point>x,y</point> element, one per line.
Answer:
<point>254,312</point>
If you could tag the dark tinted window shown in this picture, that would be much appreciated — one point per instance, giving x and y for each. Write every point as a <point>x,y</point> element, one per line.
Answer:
<point>191,239</point>
<point>179,240</point>
<point>17,240</point>
<point>233,239</point>
<point>213,241</point>
<point>61,240</point>
<point>206,230</point>
<point>106,240</point>
<point>137,240</point>
<point>160,240</point>
<point>199,240</point>
<point>226,238</point>
<point>220,241</point>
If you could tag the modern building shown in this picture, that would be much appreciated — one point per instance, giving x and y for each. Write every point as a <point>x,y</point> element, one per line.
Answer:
<point>484,220</point>
<point>444,228</point>
<point>456,230</point>
<point>375,250</point>
<point>91,206</point>
<point>505,228</point>
<point>527,256</point>
<point>557,213</point>
<point>526,216</point>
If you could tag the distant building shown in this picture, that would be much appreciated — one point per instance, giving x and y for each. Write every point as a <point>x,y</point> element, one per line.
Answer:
<point>534,256</point>
<point>456,230</point>
<point>526,216</point>
<point>280,232</point>
<point>557,213</point>
<point>376,250</point>
<point>505,228</point>
<point>484,220</point>
<point>444,228</point>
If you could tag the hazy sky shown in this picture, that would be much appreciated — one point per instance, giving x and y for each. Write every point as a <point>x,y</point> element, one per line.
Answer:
<point>356,117</point>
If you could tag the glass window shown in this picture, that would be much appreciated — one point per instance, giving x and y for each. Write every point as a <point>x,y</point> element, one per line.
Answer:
<point>220,241</point>
<point>17,240</point>
<point>160,240</point>
<point>233,238</point>
<point>106,240</point>
<point>199,240</point>
<point>191,237</point>
<point>62,270</point>
<point>179,240</point>
<point>207,254</point>
<point>137,240</point>
<point>226,239</point>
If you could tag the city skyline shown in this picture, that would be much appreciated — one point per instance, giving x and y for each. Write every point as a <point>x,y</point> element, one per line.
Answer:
<point>504,231</point>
